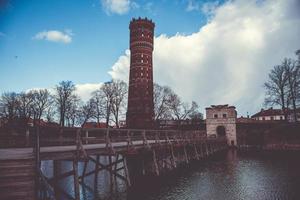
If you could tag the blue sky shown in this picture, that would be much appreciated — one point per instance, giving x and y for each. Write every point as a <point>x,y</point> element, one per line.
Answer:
<point>211,52</point>
<point>97,41</point>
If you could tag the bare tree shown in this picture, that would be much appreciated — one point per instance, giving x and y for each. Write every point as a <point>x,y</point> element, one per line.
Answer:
<point>195,115</point>
<point>276,88</point>
<point>161,96</point>
<point>63,97</point>
<point>119,91</point>
<point>298,54</point>
<point>86,112</point>
<point>42,100</point>
<point>107,92</point>
<point>9,104</point>
<point>109,101</point>
<point>298,77</point>
<point>293,79</point>
<point>25,106</point>
<point>98,102</point>
<point>73,110</point>
<point>50,113</point>
<point>179,109</point>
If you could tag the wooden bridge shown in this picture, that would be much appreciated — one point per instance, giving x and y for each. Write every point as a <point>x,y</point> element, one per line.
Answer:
<point>130,153</point>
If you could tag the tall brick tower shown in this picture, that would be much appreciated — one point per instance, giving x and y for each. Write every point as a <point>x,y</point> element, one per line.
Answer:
<point>140,109</point>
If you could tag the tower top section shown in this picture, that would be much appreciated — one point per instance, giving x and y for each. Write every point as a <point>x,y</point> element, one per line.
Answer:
<point>138,22</point>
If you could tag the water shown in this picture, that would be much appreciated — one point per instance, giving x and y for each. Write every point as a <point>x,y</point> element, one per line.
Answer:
<point>228,175</point>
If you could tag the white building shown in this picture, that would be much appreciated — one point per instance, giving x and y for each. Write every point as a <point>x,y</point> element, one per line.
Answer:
<point>269,115</point>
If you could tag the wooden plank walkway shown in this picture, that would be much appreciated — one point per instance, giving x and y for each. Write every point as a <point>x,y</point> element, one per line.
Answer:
<point>65,151</point>
<point>17,176</point>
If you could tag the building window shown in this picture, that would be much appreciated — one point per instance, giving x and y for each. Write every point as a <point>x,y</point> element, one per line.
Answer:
<point>272,118</point>
<point>224,115</point>
<point>280,117</point>
<point>263,118</point>
<point>215,115</point>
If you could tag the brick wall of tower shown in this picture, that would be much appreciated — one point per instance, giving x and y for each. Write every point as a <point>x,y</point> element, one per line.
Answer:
<point>140,110</point>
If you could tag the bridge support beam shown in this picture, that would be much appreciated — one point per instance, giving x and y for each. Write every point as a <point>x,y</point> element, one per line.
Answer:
<point>76,180</point>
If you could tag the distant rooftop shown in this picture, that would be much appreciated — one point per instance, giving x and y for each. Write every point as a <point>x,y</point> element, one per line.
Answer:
<point>273,112</point>
<point>268,112</point>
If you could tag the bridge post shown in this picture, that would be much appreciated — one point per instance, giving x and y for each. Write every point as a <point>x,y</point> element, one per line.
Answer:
<point>27,133</point>
<point>84,169</point>
<point>145,141</point>
<point>109,146</point>
<point>86,136</point>
<point>76,179</point>
<point>173,159</point>
<point>155,163</point>
<point>129,142</point>
<point>196,151</point>
<point>185,154</point>
<point>37,160</point>
<point>157,139</point>
<point>110,169</point>
<point>206,149</point>
<point>96,172</point>
<point>126,171</point>
<point>200,147</point>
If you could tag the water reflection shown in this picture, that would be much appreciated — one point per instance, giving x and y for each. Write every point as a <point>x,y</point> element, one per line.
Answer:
<point>227,175</point>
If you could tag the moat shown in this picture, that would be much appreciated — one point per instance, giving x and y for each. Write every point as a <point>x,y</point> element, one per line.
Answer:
<point>226,175</point>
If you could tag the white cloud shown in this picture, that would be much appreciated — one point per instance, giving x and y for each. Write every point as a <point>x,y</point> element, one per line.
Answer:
<point>121,67</point>
<point>228,59</point>
<point>207,8</point>
<point>117,6</point>
<point>84,91</point>
<point>55,36</point>
<point>192,5</point>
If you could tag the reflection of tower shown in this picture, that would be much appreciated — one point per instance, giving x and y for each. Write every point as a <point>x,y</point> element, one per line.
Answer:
<point>140,110</point>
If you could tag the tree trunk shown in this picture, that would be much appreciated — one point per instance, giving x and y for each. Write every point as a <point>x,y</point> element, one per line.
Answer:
<point>283,106</point>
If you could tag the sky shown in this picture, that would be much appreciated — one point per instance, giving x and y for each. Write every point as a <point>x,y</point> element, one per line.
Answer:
<point>212,52</point>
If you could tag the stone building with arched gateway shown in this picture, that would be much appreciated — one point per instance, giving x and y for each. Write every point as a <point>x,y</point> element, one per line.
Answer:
<point>221,121</point>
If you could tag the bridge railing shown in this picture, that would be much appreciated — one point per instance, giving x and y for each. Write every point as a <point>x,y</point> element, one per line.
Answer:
<point>65,136</point>
<point>55,136</point>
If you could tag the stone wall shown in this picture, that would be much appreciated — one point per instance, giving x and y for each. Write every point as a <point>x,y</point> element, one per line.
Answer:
<point>268,135</point>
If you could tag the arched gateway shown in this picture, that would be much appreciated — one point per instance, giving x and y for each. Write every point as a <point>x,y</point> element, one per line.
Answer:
<point>221,121</point>
<point>221,131</point>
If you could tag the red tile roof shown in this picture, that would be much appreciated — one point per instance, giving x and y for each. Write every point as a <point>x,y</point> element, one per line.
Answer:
<point>268,112</point>
<point>94,125</point>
